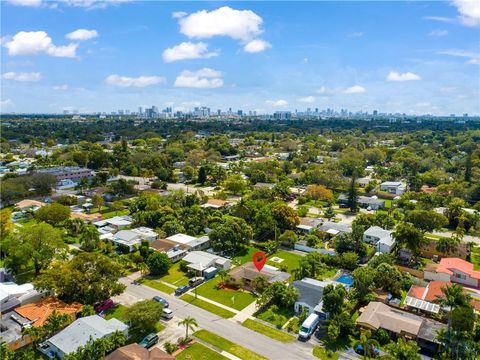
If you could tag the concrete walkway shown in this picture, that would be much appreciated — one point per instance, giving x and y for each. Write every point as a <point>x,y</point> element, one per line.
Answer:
<point>214,348</point>
<point>246,313</point>
<point>192,292</point>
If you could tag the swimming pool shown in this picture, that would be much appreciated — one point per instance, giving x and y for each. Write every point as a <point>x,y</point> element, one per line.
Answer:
<point>345,279</point>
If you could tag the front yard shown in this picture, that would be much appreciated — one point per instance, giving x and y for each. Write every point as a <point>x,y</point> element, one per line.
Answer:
<point>157,285</point>
<point>268,331</point>
<point>227,345</point>
<point>224,313</point>
<point>175,276</point>
<point>236,299</point>
<point>475,258</point>
<point>199,352</point>
<point>275,316</point>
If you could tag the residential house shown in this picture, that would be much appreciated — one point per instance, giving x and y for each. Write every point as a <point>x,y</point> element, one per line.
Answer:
<point>393,187</point>
<point>130,238</point>
<point>137,352</point>
<point>398,323</point>
<point>381,238</point>
<point>116,222</point>
<point>455,270</point>
<point>174,250</point>
<point>310,295</point>
<point>79,332</point>
<point>424,298</point>
<point>200,261</point>
<point>215,204</point>
<point>306,224</point>
<point>73,173</point>
<point>334,228</point>
<point>246,273</point>
<point>365,202</point>
<point>38,312</point>
<point>302,245</point>
<point>13,295</point>
<point>26,205</point>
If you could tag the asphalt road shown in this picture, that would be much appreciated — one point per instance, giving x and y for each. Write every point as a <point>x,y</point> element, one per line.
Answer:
<point>226,328</point>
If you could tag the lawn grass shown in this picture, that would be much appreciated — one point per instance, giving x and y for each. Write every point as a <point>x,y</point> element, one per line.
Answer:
<point>275,316</point>
<point>241,299</point>
<point>268,331</point>
<point>245,255</point>
<point>156,285</point>
<point>199,352</point>
<point>289,259</point>
<point>475,258</point>
<point>388,203</point>
<point>227,345</point>
<point>118,312</point>
<point>224,313</point>
<point>110,214</point>
<point>324,354</point>
<point>175,276</point>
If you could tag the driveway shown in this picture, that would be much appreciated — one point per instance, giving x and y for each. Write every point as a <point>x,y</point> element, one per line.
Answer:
<point>227,328</point>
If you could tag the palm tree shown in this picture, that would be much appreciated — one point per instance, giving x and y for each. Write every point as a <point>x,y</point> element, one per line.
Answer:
<point>189,323</point>
<point>55,322</point>
<point>223,274</point>
<point>144,269</point>
<point>117,339</point>
<point>367,342</point>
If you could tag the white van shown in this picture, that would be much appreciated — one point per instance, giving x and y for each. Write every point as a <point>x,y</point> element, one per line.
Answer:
<point>167,313</point>
<point>309,325</point>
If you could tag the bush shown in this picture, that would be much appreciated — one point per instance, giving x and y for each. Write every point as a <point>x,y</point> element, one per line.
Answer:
<point>382,337</point>
<point>170,347</point>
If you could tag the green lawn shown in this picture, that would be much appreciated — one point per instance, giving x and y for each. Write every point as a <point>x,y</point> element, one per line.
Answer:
<point>275,316</point>
<point>227,345</point>
<point>475,258</point>
<point>175,276</point>
<point>268,331</point>
<point>207,306</point>
<point>157,285</point>
<point>289,259</point>
<point>117,312</point>
<point>110,214</point>
<point>245,255</point>
<point>234,299</point>
<point>199,352</point>
<point>324,354</point>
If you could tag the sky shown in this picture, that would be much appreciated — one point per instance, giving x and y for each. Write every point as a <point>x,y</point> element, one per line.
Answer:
<point>414,57</point>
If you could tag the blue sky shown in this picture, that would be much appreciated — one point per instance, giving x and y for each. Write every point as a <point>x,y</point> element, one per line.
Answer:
<point>414,57</point>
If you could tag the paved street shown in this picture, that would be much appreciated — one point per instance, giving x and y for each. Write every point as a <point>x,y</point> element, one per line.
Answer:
<point>224,327</point>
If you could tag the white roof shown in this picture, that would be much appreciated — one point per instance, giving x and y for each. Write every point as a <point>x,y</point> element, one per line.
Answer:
<point>80,331</point>
<point>201,257</point>
<point>422,304</point>
<point>8,289</point>
<point>126,235</point>
<point>181,238</point>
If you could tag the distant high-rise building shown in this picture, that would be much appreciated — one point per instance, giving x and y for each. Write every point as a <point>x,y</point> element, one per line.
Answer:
<point>375,112</point>
<point>282,115</point>
<point>240,112</point>
<point>140,111</point>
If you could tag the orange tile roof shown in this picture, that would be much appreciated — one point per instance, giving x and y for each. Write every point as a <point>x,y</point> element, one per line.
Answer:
<point>446,264</point>
<point>217,202</point>
<point>28,203</point>
<point>39,311</point>
<point>86,217</point>
<point>435,290</point>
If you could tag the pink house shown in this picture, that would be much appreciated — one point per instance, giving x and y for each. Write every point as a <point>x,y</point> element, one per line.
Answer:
<point>455,270</point>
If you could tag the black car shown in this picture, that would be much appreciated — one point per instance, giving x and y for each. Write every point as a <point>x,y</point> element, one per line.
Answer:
<point>161,301</point>
<point>182,289</point>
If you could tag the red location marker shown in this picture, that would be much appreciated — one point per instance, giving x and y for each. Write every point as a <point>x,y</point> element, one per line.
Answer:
<point>259,259</point>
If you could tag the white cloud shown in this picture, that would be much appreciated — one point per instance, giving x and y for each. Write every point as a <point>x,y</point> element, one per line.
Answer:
<point>441,19</point>
<point>205,78</point>
<point>6,103</point>
<point>82,34</point>
<point>473,58</point>
<point>438,32</point>
<point>325,90</point>
<point>141,81</point>
<point>277,103</point>
<point>63,87</point>
<point>188,50</point>
<point>256,46</point>
<point>93,4</point>
<point>407,76</point>
<point>31,76</point>
<point>179,14</point>
<point>469,11</point>
<point>308,99</point>
<point>38,42</point>
<point>355,89</point>
<point>242,25</point>
<point>30,3</point>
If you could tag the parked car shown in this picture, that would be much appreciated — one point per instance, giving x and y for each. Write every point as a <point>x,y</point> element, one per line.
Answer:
<point>167,314</point>
<point>196,281</point>
<point>161,301</point>
<point>374,352</point>
<point>104,305</point>
<point>149,340</point>
<point>181,290</point>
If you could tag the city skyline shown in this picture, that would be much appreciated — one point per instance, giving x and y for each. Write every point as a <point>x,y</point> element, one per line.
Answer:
<point>92,56</point>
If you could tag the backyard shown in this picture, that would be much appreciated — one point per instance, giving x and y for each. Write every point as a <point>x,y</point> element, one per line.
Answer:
<point>288,259</point>
<point>245,255</point>
<point>236,299</point>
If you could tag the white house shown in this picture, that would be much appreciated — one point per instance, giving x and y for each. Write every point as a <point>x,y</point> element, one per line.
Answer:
<point>79,332</point>
<point>200,260</point>
<point>394,187</point>
<point>134,237</point>
<point>455,270</point>
<point>381,238</point>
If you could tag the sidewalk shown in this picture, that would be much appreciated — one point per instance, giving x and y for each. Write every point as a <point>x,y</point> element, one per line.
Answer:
<point>192,293</point>
<point>246,313</point>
